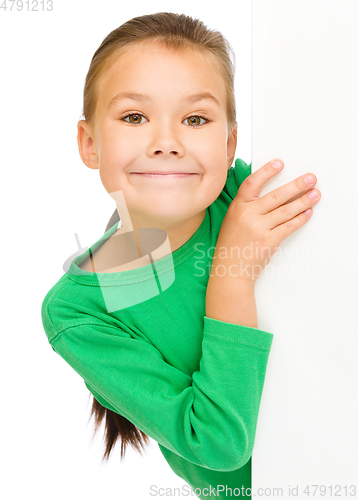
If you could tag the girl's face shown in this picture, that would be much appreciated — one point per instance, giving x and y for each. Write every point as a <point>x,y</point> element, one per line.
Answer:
<point>160,111</point>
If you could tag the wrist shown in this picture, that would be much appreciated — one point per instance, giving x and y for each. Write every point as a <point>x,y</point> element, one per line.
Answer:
<point>231,300</point>
<point>238,270</point>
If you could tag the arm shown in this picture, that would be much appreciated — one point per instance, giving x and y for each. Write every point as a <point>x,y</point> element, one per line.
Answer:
<point>208,418</point>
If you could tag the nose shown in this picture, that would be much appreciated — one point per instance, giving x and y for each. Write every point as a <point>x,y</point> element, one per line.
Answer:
<point>166,142</point>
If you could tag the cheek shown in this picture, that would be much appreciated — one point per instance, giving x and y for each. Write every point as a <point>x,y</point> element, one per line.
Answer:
<point>213,149</point>
<point>118,148</point>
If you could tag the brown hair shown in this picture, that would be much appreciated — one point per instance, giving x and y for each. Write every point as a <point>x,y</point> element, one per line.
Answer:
<point>176,31</point>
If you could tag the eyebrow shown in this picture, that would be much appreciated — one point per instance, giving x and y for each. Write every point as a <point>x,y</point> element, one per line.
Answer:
<point>140,97</point>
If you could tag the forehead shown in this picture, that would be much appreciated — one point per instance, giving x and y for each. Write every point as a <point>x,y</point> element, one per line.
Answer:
<point>152,65</point>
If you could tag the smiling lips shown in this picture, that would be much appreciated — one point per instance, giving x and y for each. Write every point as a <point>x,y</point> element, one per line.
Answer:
<point>164,174</point>
<point>161,172</point>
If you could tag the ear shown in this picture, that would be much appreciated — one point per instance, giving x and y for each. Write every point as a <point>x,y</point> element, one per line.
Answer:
<point>86,145</point>
<point>231,145</point>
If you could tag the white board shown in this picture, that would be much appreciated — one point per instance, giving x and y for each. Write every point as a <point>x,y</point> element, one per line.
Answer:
<point>305,111</point>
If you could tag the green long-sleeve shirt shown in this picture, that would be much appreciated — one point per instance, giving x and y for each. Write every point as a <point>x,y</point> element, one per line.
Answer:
<point>190,382</point>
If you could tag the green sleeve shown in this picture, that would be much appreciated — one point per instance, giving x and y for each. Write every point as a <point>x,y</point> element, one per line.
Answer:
<point>208,418</point>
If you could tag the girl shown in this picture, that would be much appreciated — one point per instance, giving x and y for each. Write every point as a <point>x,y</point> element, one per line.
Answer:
<point>167,341</point>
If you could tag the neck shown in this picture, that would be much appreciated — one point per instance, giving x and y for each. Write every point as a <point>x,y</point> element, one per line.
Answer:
<point>179,232</point>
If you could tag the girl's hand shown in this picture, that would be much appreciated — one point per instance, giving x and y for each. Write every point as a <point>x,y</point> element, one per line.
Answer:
<point>254,227</point>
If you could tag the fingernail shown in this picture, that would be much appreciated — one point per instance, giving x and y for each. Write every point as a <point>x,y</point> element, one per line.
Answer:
<point>312,195</point>
<point>277,164</point>
<point>309,179</point>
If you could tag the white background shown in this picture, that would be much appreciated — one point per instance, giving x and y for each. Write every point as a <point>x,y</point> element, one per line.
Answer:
<point>48,195</point>
<point>305,111</point>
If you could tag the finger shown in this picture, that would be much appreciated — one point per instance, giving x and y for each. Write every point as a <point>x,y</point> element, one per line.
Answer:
<point>284,230</point>
<point>284,193</point>
<point>290,210</point>
<point>252,185</point>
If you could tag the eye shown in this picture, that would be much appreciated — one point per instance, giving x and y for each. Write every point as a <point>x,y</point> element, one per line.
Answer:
<point>134,118</point>
<point>195,120</point>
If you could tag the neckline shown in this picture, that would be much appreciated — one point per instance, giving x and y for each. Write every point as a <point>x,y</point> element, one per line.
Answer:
<point>144,273</point>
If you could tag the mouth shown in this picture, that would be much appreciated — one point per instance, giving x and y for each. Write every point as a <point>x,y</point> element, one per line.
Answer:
<point>160,175</point>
